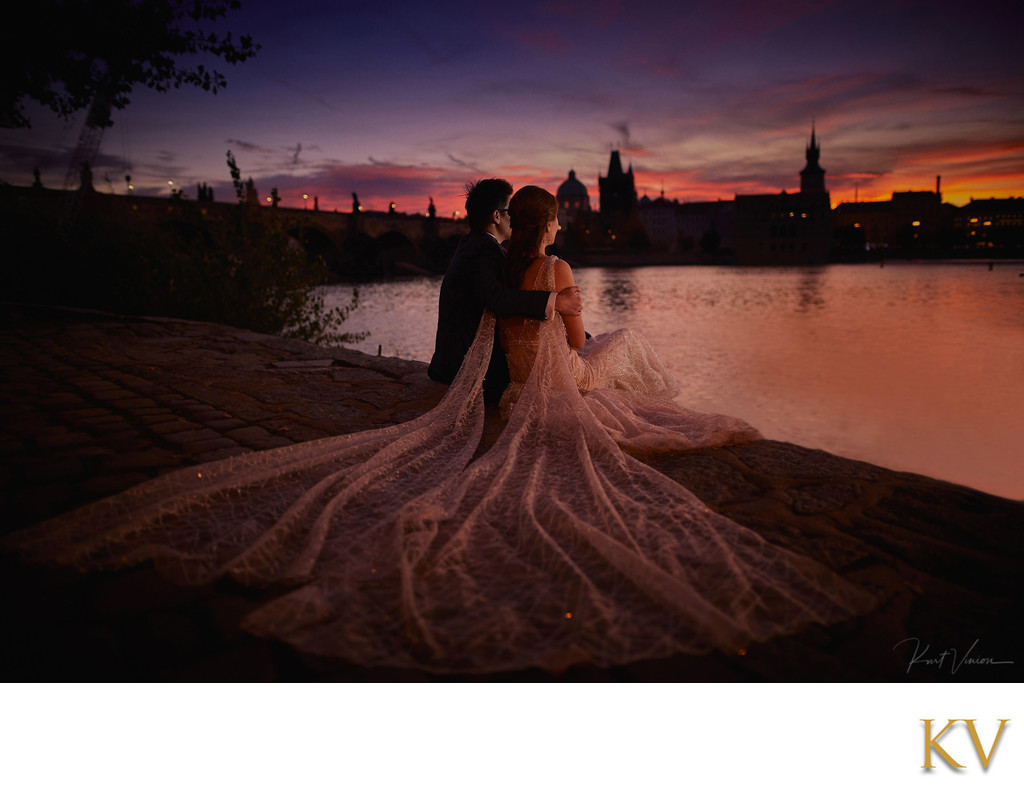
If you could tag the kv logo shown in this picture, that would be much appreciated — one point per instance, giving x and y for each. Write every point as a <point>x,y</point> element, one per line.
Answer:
<point>931,743</point>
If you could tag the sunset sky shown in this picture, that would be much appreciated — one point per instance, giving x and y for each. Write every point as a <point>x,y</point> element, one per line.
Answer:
<point>402,101</point>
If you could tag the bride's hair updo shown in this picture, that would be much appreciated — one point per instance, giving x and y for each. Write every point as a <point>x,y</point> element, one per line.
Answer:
<point>530,210</point>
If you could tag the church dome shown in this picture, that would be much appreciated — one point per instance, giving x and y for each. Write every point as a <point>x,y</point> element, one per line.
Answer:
<point>572,187</point>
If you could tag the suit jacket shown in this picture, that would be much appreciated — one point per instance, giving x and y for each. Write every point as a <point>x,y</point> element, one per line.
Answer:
<point>472,283</point>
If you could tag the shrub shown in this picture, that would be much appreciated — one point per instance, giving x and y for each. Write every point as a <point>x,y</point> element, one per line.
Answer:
<point>242,269</point>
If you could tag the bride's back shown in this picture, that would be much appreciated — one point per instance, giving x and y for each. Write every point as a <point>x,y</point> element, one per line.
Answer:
<point>532,280</point>
<point>519,334</point>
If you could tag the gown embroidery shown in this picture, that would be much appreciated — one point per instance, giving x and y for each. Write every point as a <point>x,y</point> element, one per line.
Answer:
<point>554,547</point>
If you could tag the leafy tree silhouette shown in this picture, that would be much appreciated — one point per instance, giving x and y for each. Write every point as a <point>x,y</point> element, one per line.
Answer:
<point>79,49</point>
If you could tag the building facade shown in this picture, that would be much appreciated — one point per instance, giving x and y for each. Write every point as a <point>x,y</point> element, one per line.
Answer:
<point>617,191</point>
<point>573,200</point>
<point>911,221</point>
<point>708,226</point>
<point>991,226</point>
<point>685,227</point>
<point>787,228</point>
<point>660,218</point>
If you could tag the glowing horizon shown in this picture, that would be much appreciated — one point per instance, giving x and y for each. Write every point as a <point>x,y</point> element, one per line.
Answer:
<point>710,100</point>
<point>679,185</point>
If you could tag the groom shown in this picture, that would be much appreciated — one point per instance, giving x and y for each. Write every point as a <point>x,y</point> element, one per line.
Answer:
<point>473,283</point>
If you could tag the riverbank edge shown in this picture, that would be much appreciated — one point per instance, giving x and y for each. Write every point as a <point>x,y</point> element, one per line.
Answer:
<point>93,403</point>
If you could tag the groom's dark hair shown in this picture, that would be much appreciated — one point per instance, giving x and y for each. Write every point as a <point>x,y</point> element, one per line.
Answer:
<point>483,197</point>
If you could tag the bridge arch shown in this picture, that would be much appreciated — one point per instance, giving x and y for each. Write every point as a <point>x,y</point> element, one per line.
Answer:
<point>318,243</point>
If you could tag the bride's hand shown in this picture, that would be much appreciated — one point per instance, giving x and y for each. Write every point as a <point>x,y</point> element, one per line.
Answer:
<point>568,301</point>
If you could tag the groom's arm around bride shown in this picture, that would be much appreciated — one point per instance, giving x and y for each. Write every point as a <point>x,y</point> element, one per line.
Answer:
<point>473,282</point>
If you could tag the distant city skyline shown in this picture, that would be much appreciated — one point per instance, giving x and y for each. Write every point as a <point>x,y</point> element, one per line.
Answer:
<point>706,100</point>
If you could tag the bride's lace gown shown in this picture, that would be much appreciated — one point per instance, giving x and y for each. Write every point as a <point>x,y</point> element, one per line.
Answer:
<point>554,547</point>
<point>625,385</point>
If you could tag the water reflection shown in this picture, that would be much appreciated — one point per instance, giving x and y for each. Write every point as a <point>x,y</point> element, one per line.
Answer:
<point>912,366</point>
<point>810,289</point>
<point>619,293</point>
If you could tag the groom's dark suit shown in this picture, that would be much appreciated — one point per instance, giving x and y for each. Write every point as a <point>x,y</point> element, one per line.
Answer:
<point>471,284</point>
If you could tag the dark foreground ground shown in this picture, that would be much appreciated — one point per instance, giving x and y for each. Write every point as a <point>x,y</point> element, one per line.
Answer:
<point>91,404</point>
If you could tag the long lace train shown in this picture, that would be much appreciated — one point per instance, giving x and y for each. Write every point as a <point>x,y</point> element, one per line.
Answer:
<point>554,547</point>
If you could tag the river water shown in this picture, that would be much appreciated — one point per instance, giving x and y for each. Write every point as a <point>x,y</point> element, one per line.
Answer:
<point>913,366</point>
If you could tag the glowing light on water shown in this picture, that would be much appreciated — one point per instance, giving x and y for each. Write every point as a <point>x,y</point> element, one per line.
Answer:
<point>916,367</point>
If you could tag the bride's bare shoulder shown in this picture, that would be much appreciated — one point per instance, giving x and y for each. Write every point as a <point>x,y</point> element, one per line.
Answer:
<point>563,273</point>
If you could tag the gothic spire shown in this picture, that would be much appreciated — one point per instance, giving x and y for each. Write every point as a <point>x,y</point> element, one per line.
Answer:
<point>812,178</point>
<point>813,150</point>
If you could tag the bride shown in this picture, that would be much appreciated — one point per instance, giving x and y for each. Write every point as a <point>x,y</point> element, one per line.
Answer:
<point>555,547</point>
<point>639,414</point>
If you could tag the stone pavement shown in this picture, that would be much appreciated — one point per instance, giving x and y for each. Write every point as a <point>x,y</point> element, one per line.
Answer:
<point>93,403</point>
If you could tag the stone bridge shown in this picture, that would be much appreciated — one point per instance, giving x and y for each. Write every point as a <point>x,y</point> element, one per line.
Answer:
<point>364,243</point>
<point>394,243</point>
<point>375,243</point>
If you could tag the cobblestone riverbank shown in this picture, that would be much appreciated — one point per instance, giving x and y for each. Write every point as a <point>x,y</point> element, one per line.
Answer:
<point>93,403</point>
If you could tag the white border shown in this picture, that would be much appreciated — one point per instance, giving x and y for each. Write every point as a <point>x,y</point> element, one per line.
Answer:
<point>495,745</point>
